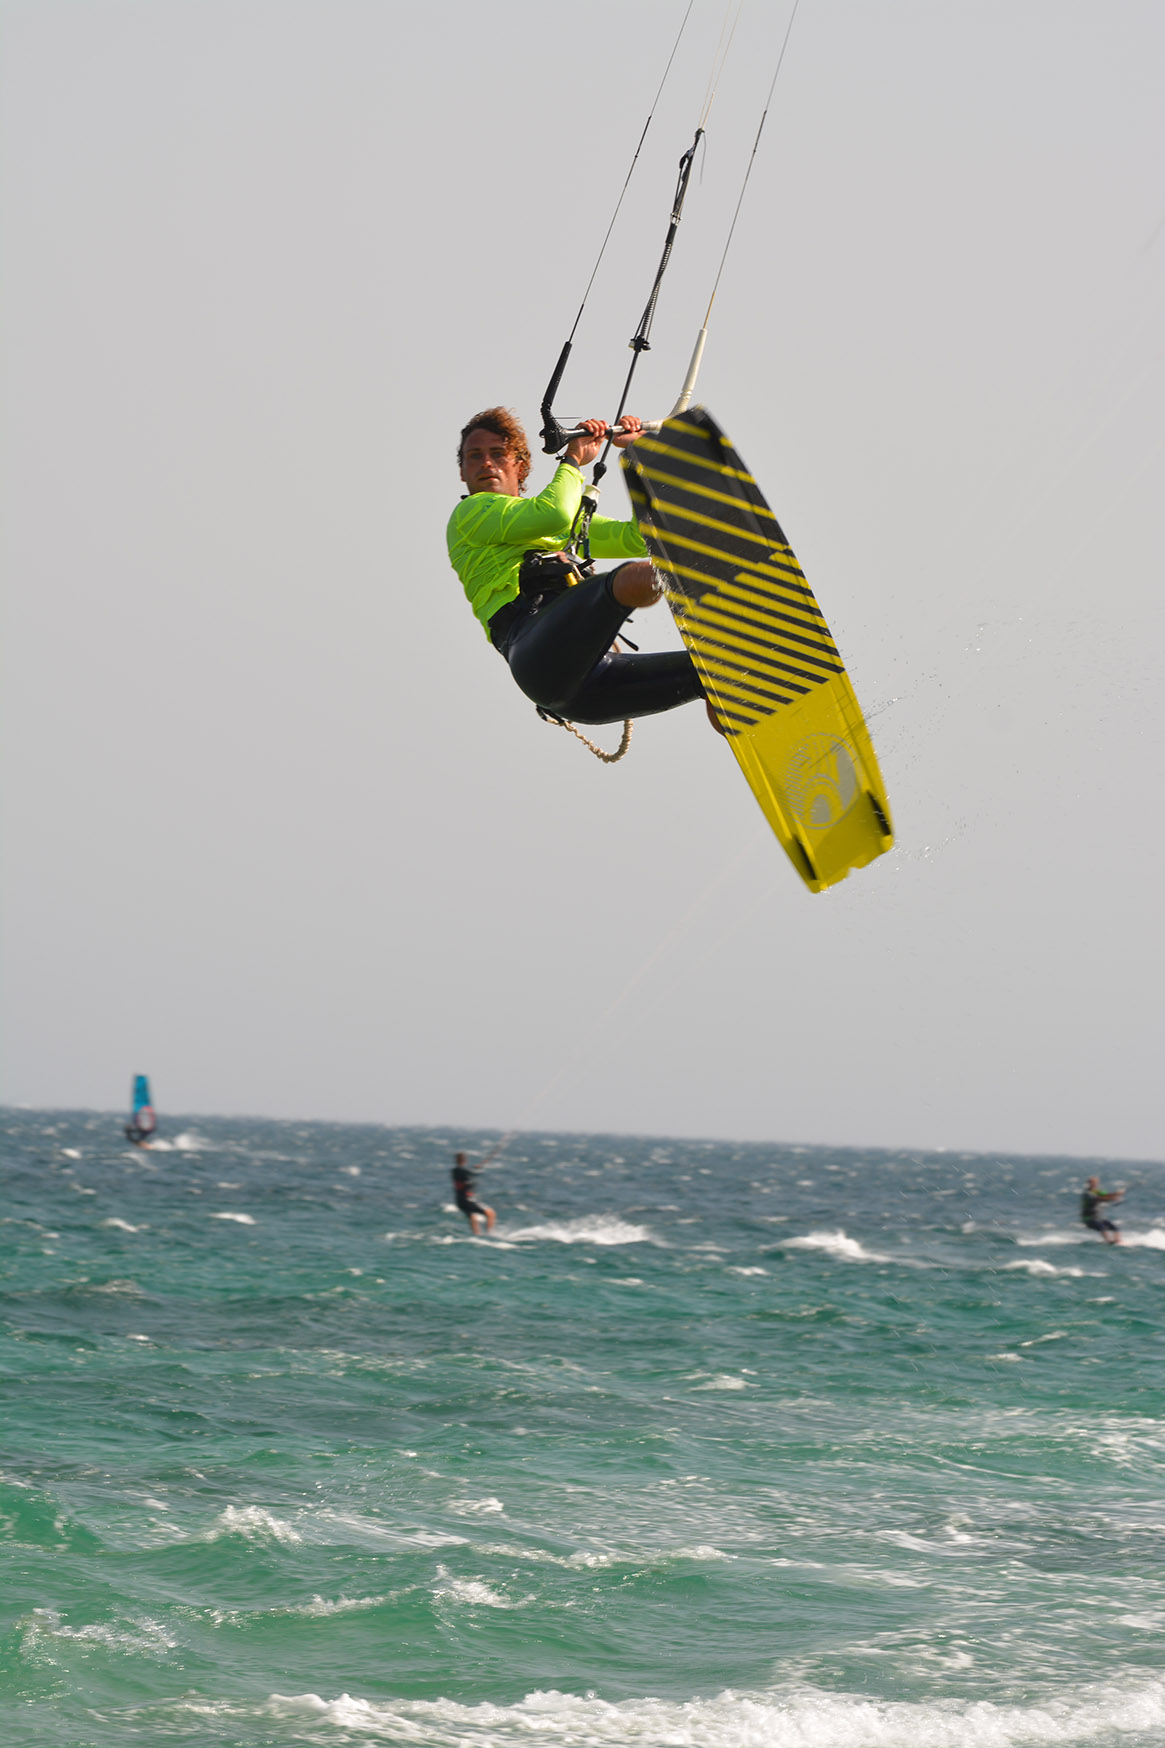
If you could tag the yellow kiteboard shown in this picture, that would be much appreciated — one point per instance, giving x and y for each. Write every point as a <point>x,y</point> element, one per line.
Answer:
<point>763,650</point>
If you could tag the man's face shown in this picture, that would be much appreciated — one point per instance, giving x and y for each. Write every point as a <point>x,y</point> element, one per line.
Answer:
<point>488,464</point>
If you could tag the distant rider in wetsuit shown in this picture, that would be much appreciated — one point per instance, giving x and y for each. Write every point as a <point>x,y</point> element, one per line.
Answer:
<point>555,626</point>
<point>464,1185</point>
<point>1090,1203</point>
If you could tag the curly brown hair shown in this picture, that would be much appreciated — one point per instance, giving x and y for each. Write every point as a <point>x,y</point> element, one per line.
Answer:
<point>503,423</point>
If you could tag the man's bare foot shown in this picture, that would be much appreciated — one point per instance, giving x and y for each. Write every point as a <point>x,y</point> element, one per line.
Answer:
<point>636,585</point>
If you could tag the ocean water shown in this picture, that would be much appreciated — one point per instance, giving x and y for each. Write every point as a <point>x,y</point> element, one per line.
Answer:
<point>711,1446</point>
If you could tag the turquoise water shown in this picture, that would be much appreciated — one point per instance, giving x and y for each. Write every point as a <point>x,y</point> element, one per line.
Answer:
<point>712,1446</point>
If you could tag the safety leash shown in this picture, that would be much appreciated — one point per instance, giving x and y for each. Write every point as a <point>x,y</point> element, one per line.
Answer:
<point>604,757</point>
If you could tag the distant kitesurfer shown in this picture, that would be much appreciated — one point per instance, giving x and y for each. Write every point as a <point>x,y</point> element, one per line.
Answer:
<point>554,624</point>
<point>1090,1203</point>
<point>464,1185</point>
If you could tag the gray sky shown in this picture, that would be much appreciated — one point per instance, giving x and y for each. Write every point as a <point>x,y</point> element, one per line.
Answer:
<point>279,828</point>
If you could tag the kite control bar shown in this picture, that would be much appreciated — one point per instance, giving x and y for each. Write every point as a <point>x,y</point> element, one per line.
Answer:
<point>555,435</point>
<point>611,431</point>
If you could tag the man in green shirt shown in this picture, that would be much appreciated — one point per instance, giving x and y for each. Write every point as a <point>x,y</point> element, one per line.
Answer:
<point>555,625</point>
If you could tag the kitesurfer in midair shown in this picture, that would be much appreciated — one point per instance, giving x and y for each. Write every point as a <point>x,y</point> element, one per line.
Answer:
<point>554,625</point>
<point>1090,1205</point>
<point>464,1185</point>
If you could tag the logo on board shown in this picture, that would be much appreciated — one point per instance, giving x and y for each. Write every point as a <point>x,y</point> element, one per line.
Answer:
<point>820,781</point>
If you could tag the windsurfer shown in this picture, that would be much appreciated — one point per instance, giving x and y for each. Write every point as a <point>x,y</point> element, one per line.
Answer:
<point>554,626</point>
<point>143,1123</point>
<point>1090,1205</point>
<point>464,1186</point>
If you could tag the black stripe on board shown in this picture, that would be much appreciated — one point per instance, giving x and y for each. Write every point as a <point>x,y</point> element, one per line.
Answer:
<point>766,649</point>
<point>765,690</point>
<point>767,667</point>
<point>775,623</point>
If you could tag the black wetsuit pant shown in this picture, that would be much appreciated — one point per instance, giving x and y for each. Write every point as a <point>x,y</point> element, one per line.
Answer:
<point>558,645</point>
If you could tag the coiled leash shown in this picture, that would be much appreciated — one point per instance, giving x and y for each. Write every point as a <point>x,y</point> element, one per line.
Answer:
<point>606,758</point>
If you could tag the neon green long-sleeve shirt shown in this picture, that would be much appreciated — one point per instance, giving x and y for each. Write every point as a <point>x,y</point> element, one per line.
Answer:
<point>488,533</point>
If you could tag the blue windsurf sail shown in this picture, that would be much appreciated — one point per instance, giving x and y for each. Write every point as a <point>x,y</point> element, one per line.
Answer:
<point>142,1122</point>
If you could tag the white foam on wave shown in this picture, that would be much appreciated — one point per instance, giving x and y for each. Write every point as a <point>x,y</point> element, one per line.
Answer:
<point>596,1559</point>
<point>744,1271</point>
<point>474,1591</point>
<point>187,1142</point>
<point>253,1523</point>
<point>1153,1239</point>
<point>587,1229</point>
<point>240,1219</point>
<point>477,1507</point>
<point>1037,1266</point>
<point>136,1635</point>
<point>724,1381</point>
<point>793,1718</point>
<point>121,1225</point>
<point>834,1244</point>
<point>321,1606</point>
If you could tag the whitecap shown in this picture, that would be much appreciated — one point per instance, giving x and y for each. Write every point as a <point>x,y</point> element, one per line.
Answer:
<point>240,1219</point>
<point>725,1381</point>
<point>834,1244</point>
<point>253,1523</point>
<point>321,1606</point>
<point>587,1229</point>
<point>1037,1266</point>
<point>132,1635</point>
<point>744,1271</point>
<point>474,1591</point>
<point>1153,1239</point>
<point>478,1507</point>
<point>789,1717</point>
<point>121,1225</point>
